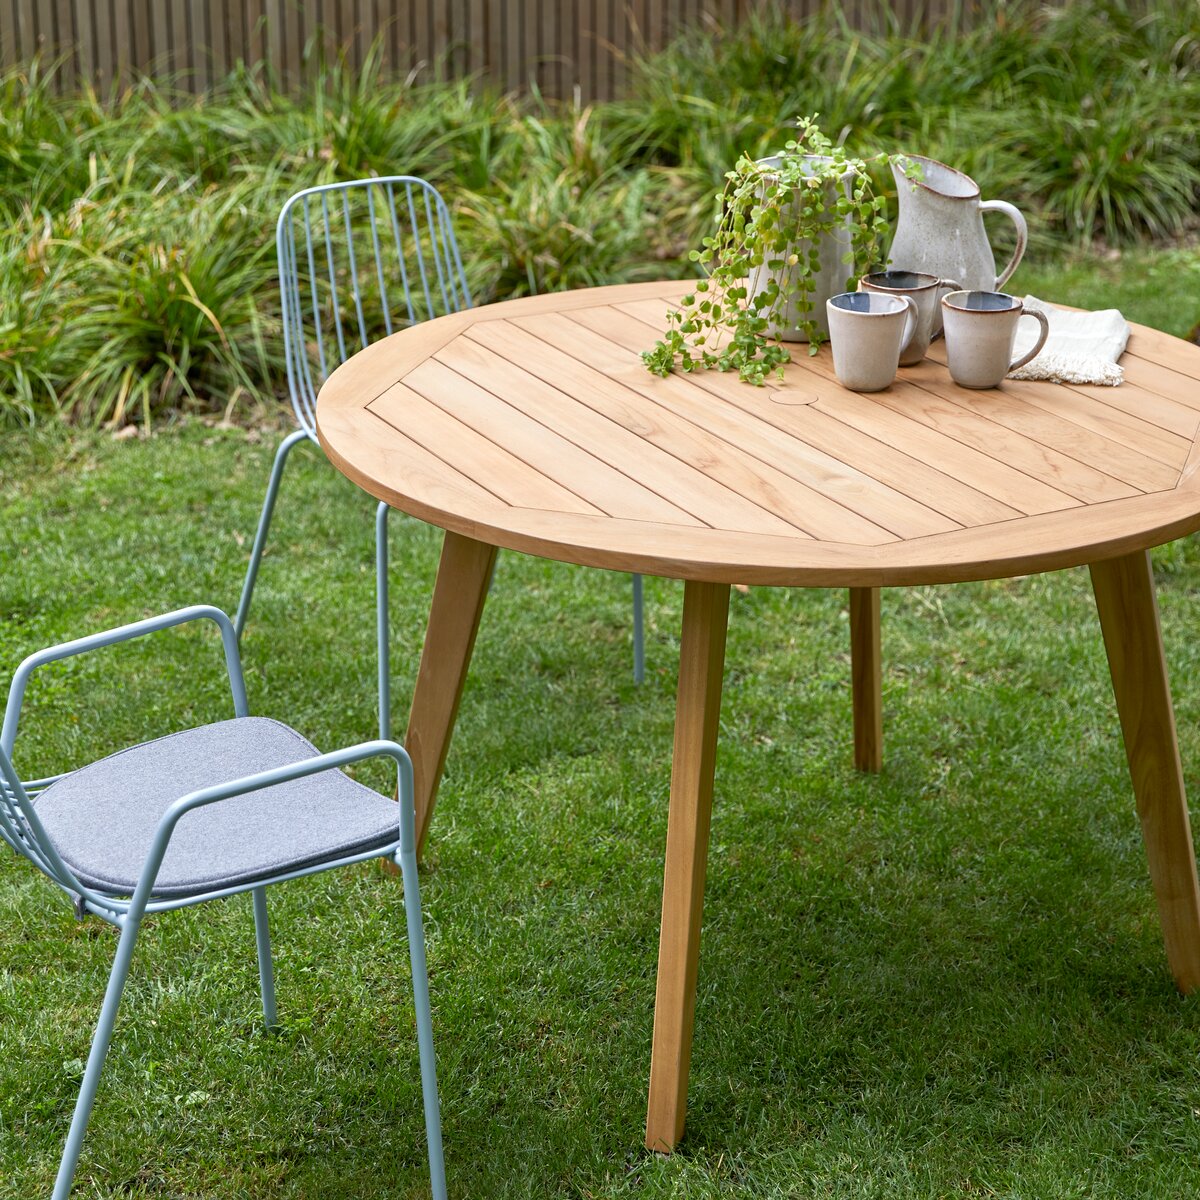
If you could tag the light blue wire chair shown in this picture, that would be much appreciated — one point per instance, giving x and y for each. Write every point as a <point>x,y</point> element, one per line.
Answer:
<point>357,261</point>
<point>199,815</point>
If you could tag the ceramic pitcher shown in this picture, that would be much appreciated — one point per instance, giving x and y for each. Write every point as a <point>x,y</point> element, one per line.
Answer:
<point>940,230</point>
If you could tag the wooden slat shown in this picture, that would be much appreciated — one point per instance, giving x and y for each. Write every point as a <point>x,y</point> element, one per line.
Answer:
<point>476,35</point>
<point>610,48</point>
<point>956,412</point>
<point>141,43</point>
<point>220,21</point>
<point>159,64</point>
<point>916,432</point>
<point>513,57</point>
<point>86,50</point>
<point>10,49</point>
<point>1170,377</point>
<point>422,34</point>
<point>368,28</point>
<point>200,48</point>
<point>879,459</point>
<point>257,35</point>
<point>1030,437</point>
<point>916,477</point>
<point>632,442</point>
<point>617,392</point>
<point>1160,348</point>
<point>25,29</point>
<point>494,32</point>
<point>430,485</point>
<point>585,47</point>
<point>603,487</point>
<point>457,38</point>
<point>290,41</point>
<point>490,466</point>
<point>66,37</point>
<point>549,71</point>
<point>1094,412</point>
<point>651,24</point>
<point>441,34</point>
<point>793,456</point>
<point>568,46</point>
<point>1150,392</point>
<point>122,41</point>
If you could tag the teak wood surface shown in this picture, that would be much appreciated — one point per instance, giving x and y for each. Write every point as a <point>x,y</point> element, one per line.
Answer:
<point>533,425</point>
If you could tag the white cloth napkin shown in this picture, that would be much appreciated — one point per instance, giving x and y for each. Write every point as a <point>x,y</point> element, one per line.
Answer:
<point>1083,347</point>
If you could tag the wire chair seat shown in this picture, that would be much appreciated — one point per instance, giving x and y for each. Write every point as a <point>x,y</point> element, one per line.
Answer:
<point>102,817</point>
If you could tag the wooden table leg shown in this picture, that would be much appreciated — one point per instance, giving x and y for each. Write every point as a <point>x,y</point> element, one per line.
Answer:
<point>866,675</point>
<point>701,664</point>
<point>458,596</point>
<point>1124,589</point>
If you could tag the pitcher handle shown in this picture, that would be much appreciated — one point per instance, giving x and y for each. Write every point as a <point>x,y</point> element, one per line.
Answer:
<point>1014,215</point>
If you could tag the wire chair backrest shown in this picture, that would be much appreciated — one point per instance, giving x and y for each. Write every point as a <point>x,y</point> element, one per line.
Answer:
<point>358,261</point>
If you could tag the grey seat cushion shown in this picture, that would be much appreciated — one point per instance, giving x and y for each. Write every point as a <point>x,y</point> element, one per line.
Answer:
<point>102,817</point>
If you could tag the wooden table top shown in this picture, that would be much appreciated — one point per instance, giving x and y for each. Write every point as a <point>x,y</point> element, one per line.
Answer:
<point>533,425</point>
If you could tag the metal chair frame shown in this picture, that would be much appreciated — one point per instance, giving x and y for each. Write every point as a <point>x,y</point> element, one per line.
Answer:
<point>432,282</point>
<point>24,832</point>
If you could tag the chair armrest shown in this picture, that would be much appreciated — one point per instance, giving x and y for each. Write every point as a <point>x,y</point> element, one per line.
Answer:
<point>264,779</point>
<point>124,633</point>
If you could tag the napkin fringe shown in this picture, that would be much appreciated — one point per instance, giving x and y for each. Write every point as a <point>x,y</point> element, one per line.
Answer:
<point>1071,368</point>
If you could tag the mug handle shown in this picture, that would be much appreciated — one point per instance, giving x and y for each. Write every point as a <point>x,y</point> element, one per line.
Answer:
<point>951,286</point>
<point>1014,215</point>
<point>913,316</point>
<point>1040,317</point>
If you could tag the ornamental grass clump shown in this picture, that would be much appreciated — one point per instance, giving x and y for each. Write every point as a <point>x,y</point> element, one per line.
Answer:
<point>791,230</point>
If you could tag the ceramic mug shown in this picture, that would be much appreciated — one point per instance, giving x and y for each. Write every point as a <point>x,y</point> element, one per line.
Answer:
<point>924,290</point>
<point>869,331</point>
<point>980,329</point>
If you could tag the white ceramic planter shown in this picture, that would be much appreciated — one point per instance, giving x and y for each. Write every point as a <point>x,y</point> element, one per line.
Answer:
<point>831,278</point>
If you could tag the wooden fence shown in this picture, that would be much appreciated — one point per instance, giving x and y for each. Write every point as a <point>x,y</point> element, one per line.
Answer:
<point>554,44</point>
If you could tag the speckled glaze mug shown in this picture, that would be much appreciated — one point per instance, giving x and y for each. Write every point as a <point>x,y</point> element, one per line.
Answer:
<point>924,290</point>
<point>980,328</point>
<point>869,331</point>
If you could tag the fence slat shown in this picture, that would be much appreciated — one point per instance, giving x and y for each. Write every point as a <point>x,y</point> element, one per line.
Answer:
<point>26,29</point>
<point>86,32</point>
<point>560,46</point>
<point>9,50</point>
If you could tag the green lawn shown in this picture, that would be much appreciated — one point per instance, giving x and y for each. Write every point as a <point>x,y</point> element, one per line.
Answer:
<point>947,980</point>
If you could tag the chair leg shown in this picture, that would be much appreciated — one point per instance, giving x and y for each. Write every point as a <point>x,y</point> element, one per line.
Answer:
<point>639,633</point>
<point>381,622</point>
<point>266,972</point>
<point>264,523</point>
<point>420,978</point>
<point>95,1062</point>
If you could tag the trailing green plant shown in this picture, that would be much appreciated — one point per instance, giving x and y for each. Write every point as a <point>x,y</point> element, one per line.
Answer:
<point>775,217</point>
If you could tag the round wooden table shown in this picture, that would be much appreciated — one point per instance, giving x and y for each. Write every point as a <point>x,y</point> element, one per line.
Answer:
<point>533,425</point>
